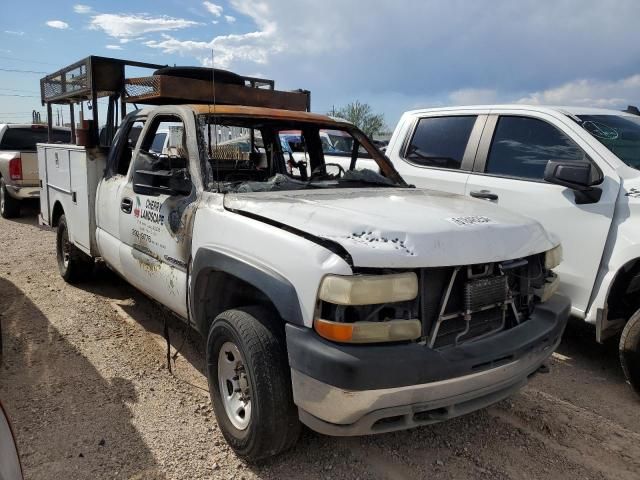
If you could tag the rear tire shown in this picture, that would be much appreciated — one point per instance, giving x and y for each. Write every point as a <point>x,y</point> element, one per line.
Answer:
<point>9,206</point>
<point>630,351</point>
<point>73,264</point>
<point>260,420</point>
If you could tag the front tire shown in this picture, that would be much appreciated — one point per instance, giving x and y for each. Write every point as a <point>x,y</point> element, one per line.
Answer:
<point>250,383</point>
<point>630,351</point>
<point>73,264</point>
<point>9,206</point>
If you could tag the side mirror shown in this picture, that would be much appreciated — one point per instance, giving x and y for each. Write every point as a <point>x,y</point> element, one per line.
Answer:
<point>162,182</point>
<point>575,175</point>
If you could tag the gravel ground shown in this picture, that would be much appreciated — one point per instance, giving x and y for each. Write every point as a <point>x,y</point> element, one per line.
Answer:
<point>84,381</point>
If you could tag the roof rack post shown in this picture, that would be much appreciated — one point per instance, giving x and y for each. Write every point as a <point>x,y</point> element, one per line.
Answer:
<point>95,127</point>
<point>72,117</point>
<point>49,122</point>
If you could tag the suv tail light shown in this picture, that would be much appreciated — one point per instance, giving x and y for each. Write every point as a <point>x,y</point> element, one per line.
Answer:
<point>15,168</point>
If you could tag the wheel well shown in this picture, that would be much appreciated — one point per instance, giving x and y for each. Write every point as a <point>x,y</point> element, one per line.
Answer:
<point>217,291</point>
<point>57,213</point>
<point>624,299</point>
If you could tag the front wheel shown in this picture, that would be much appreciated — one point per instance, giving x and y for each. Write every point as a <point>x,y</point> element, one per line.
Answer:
<point>630,351</point>
<point>73,264</point>
<point>250,383</point>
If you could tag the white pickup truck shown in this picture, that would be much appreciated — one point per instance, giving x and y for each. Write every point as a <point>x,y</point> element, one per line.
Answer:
<point>351,302</point>
<point>345,299</point>
<point>19,165</point>
<point>575,170</point>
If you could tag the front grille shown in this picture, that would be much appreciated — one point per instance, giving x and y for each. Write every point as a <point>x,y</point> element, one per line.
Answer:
<point>460,304</point>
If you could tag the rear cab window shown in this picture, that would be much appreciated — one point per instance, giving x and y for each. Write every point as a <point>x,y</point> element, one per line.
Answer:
<point>25,139</point>
<point>440,141</point>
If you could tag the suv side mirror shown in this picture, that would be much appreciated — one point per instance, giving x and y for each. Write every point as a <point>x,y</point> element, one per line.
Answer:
<point>574,175</point>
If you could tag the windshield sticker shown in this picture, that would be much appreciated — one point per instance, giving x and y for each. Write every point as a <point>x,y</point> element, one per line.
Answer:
<point>601,130</point>
<point>471,220</point>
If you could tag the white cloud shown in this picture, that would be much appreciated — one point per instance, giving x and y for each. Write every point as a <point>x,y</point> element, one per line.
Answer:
<point>82,9</point>
<point>253,47</point>
<point>593,93</point>
<point>59,24</point>
<point>113,47</point>
<point>441,53</point>
<point>127,26</point>
<point>473,96</point>
<point>215,10</point>
<point>230,18</point>
<point>14,32</point>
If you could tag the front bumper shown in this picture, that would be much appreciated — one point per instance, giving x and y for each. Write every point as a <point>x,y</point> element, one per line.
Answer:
<point>23,193</point>
<point>358,389</point>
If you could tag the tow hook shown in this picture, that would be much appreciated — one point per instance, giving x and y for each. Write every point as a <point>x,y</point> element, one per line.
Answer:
<point>544,368</point>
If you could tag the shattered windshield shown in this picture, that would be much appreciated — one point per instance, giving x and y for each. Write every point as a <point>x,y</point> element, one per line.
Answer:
<point>619,133</point>
<point>262,155</point>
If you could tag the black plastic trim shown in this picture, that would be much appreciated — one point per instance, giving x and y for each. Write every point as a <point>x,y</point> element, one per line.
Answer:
<point>370,367</point>
<point>330,245</point>
<point>277,288</point>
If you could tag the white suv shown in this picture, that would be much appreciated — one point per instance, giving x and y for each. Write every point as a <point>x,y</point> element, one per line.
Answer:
<point>575,170</point>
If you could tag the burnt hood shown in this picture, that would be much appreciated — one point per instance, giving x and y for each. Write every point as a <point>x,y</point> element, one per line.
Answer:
<point>400,227</point>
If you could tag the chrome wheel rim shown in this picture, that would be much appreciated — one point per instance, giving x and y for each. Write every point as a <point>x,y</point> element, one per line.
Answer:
<point>1,198</point>
<point>66,248</point>
<point>233,381</point>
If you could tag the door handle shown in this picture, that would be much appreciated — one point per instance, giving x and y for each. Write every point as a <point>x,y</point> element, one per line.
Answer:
<point>126,205</point>
<point>484,194</point>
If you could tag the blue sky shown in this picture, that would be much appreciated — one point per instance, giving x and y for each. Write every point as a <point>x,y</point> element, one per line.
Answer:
<point>394,55</point>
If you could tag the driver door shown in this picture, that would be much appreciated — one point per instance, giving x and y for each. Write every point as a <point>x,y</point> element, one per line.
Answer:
<point>155,240</point>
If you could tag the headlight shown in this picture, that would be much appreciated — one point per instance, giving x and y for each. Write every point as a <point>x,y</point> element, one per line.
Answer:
<point>369,289</point>
<point>553,257</point>
<point>369,332</point>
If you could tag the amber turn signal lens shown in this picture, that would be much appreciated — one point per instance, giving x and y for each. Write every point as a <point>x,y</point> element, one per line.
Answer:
<point>368,332</point>
<point>338,332</point>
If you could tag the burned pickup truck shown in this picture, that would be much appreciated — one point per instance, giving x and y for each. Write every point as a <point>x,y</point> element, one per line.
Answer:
<point>341,298</point>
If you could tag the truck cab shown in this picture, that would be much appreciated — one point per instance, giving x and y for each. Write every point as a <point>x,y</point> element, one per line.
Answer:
<point>345,299</point>
<point>573,169</point>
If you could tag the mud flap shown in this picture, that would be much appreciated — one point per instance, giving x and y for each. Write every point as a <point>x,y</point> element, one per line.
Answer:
<point>606,328</point>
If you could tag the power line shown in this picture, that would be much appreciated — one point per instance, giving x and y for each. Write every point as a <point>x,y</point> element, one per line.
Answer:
<point>18,113</point>
<point>20,71</point>
<point>26,61</point>
<point>18,90</point>
<point>16,95</point>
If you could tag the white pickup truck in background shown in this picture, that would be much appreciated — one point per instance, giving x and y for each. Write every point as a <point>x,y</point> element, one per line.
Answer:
<point>575,170</point>
<point>19,163</point>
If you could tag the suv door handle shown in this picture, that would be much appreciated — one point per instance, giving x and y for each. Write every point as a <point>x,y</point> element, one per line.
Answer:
<point>484,194</point>
<point>126,205</point>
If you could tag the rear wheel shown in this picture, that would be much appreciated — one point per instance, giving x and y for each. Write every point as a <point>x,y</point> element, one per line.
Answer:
<point>73,264</point>
<point>630,351</point>
<point>9,206</point>
<point>250,384</point>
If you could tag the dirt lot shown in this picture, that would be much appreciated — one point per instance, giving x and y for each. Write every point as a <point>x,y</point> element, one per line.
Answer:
<point>84,382</point>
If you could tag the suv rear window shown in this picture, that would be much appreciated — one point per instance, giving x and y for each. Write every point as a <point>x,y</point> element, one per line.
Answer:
<point>440,141</point>
<point>25,139</point>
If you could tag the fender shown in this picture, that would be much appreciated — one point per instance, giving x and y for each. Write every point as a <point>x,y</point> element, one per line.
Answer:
<point>274,286</point>
<point>597,312</point>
